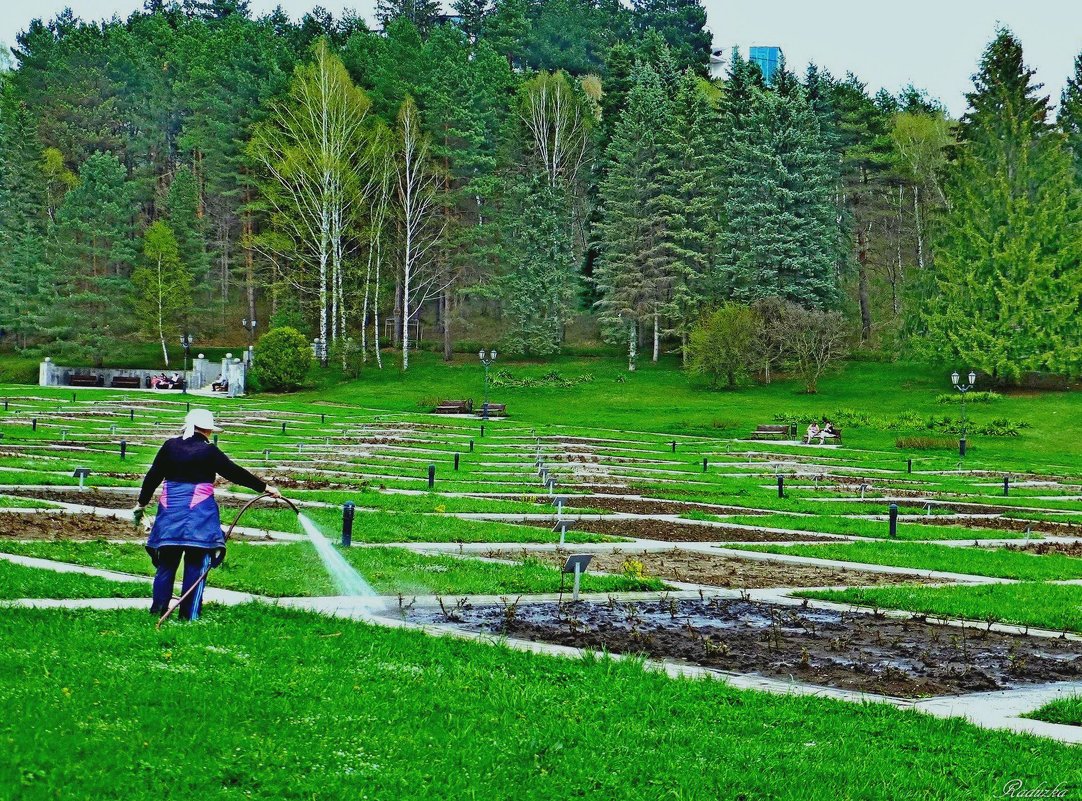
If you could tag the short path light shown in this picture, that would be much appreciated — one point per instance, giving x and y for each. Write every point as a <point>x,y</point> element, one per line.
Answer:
<point>348,509</point>
<point>577,564</point>
<point>963,388</point>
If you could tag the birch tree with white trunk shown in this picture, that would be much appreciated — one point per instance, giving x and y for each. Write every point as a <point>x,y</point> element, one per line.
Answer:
<point>417,183</point>
<point>311,152</point>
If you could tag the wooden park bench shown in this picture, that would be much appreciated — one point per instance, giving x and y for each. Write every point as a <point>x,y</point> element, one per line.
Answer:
<point>125,382</point>
<point>767,432</point>
<point>86,380</point>
<point>495,409</point>
<point>454,407</point>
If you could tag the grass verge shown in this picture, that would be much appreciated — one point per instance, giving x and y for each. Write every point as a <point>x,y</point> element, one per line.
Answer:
<point>997,563</point>
<point>20,581</point>
<point>308,707</point>
<point>294,569</point>
<point>1047,606</point>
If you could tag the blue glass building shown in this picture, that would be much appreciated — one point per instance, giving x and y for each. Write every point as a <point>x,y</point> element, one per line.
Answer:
<point>768,59</point>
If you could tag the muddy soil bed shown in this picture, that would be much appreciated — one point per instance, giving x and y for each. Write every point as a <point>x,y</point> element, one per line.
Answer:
<point>647,506</point>
<point>120,498</point>
<point>1013,525</point>
<point>717,571</point>
<point>667,531</point>
<point>60,526</point>
<point>851,651</point>
<point>1046,547</point>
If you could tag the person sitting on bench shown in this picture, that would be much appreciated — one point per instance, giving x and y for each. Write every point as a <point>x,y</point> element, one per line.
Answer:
<point>826,431</point>
<point>813,431</point>
<point>219,384</point>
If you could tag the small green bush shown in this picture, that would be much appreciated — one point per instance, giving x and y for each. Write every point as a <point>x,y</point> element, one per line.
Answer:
<point>282,359</point>
<point>925,443</point>
<point>971,397</point>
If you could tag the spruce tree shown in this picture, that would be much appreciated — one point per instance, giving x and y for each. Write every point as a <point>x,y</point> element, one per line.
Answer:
<point>634,268</point>
<point>778,212</point>
<point>1070,116</point>
<point>538,291</point>
<point>695,180</point>
<point>96,250</point>
<point>1008,269</point>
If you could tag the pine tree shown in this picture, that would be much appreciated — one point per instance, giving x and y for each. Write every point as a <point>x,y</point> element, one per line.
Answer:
<point>1008,269</point>
<point>26,277</point>
<point>634,269</point>
<point>424,14</point>
<point>185,224</point>
<point>682,23</point>
<point>778,205</point>
<point>473,13</point>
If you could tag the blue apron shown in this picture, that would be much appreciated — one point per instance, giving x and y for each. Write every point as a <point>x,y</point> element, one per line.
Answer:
<point>188,517</point>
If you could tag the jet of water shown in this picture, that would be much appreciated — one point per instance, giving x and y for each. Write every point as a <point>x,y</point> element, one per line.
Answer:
<point>345,577</point>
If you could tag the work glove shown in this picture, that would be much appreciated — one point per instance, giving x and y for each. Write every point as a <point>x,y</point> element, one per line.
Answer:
<point>137,515</point>
<point>217,557</point>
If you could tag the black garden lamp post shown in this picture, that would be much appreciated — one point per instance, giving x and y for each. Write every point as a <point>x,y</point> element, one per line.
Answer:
<point>487,360</point>
<point>249,326</point>
<point>963,388</point>
<point>186,342</point>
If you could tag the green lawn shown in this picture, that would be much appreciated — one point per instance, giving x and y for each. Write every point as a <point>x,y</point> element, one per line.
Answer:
<point>1046,606</point>
<point>382,527</point>
<point>294,569</point>
<point>997,563</point>
<point>1067,711</point>
<point>307,707</point>
<point>20,581</point>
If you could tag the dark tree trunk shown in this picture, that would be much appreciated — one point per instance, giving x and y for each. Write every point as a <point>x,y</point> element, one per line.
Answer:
<point>447,351</point>
<point>862,284</point>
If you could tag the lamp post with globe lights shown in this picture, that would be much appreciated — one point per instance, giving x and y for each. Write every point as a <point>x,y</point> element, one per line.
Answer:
<point>487,360</point>
<point>963,388</point>
<point>186,342</point>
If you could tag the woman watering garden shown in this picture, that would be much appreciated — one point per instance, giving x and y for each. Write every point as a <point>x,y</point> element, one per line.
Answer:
<point>188,523</point>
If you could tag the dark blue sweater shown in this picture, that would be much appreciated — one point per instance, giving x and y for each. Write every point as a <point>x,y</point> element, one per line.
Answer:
<point>194,461</point>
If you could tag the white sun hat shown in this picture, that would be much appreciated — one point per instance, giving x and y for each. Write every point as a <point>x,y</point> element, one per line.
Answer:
<point>199,418</point>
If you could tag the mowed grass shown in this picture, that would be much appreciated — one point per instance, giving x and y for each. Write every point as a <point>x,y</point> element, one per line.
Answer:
<point>996,563</point>
<point>877,529</point>
<point>1046,606</point>
<point>1066,711</point>
<point>294,569</point>
<point>380,527</point>
<point>314,708</point>
<point>20,581</point>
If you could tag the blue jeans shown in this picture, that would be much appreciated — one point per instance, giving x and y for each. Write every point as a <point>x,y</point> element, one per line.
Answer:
<point>167,561</point>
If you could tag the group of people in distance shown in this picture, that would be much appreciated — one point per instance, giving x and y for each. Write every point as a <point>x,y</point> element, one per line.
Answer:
<point>824,431</point>
<point>163,381</point>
